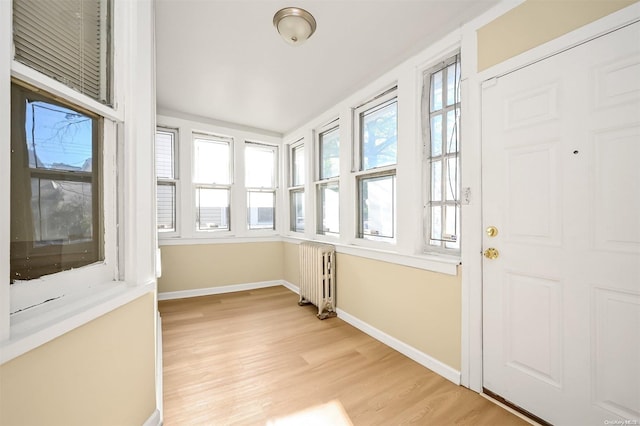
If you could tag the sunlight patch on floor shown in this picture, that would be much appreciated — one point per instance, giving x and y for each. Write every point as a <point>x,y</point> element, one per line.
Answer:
<point>332,413</point>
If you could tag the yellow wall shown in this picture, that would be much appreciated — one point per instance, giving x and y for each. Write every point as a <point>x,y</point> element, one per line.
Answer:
<point>291,263</point>
<point>420,308</point>
<point>102,373</point>
<point>536,22</point>
<point>198,266</point>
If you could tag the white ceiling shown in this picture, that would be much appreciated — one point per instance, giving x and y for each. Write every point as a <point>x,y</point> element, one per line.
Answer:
<point>223,59</point>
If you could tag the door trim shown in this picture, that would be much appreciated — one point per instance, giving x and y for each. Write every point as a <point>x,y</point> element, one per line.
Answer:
<point>471,365</point>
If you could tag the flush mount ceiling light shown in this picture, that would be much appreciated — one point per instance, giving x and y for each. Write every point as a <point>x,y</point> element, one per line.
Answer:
<point>295,25</point>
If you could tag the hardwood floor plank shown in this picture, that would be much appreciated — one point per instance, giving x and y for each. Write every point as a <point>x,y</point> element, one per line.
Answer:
<point>257,358</point>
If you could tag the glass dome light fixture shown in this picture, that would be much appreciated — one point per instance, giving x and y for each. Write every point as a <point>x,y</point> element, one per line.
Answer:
<point>294,24</point>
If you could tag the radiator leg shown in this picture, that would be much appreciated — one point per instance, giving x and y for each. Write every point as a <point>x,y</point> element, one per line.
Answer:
<point>327,314</point>
<point>303,301</point>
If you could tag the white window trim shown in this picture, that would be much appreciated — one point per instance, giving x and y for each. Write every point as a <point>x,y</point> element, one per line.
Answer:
<point>230,186</point>
<point>274,189</point>
<point>449,59</point>
<point>357,173</point>
<point>319,182</point>
<point>175,181</point>
<point>90,294</point>
<point>291,188</point>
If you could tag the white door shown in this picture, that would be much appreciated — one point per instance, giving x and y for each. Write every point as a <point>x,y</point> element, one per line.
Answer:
<point>561,185</point>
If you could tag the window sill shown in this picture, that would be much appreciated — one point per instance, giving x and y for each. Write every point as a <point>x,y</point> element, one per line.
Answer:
<point>443,264</point>
<point>223,239</point>
<point>39,325</point>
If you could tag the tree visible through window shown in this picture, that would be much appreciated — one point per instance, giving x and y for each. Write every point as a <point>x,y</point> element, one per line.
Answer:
<point>55,186</point>
<point>327,186</point>
<point>376,169</point>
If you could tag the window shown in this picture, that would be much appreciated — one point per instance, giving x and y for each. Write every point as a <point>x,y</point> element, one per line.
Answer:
<point>212,181</point>
<point>68,42</point>
<point>376,158</point>
<point>56,204</point>
<point>327,186</point>
<point>166,175</point>
<point>296,187</point>
<point>441,119</point>
<point>260,181</point>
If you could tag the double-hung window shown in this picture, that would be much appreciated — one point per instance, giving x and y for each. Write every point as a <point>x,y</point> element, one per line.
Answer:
<point>260,180</point>
<point>297,172</point>
<point>441,121</point>
<point>56,186</point>
<point>213,168</point>
<point>327,185</point>
<point>375,169</point>
<point>57,213</point>
<point>167,179</point>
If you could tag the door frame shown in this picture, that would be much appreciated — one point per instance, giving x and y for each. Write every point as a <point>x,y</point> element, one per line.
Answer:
<point>472,221</point>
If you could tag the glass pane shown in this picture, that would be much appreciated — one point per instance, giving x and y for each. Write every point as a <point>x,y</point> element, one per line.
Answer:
<point>453,83</point>
<point>212,162</point>
<point>329,196</point>
<point>61,211</point>
<point>377,207</point>
<point>69,41</point>
<point>436,223</point>
<point>297,158</point>
<point>297,211</point>
<point>164,155</point>
<point>436,181</point>
<point>166,204</point>
<point>212,209</point>
<point>379,136</point>
<point>436,91</point>
<point>58,138</point>
<point>452,227</point>
<point>436,136</point>
<point>261,210</point>
<point>330,154</point>
<point>452,178</point>
<point>260,166</point>
<point>453,128</point>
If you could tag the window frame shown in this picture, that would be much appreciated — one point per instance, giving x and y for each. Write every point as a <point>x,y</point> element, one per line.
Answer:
<point>213,138</point>
<point>22,92</point>
<point>273,189</point>
<point>445,246</point>
<point>295,188</point>
<point>322,183</point>
<point>360,174</point>
<point>175,181</point>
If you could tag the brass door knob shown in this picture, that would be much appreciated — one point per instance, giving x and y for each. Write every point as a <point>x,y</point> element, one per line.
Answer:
<point>491,231</point>
<point>491,253</point>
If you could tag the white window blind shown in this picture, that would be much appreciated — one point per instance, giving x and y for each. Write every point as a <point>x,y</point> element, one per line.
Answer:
<point>67,40</point>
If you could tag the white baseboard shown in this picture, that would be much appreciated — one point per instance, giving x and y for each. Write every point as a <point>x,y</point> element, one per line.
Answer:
<point>154,420</point>
<point>182,294</point>
<point>407,350</point>
<point>294,288</point>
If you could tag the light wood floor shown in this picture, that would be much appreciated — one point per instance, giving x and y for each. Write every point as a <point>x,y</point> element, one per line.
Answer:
<point>257,358</point>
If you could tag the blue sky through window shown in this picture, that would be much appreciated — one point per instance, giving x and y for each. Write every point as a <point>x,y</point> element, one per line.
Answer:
<point>58,137</point>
